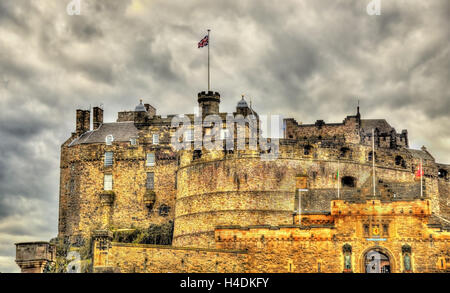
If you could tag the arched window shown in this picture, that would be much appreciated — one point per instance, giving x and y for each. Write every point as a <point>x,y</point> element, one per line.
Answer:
<point>399,161</point>
<point>345,152</point>
<point>109,139</point>
<point>406,253</point>
<point>307,150</point>
<point>347,251</point>
<point>348,181</point>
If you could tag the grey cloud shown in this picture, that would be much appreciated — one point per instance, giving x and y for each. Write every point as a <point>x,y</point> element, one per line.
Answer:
<point>309,60</point>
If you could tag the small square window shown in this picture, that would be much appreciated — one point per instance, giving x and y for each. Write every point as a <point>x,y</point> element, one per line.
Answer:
<point>109,158</point>
<point>108,182</point>
<point>150,160</point>
<point>133,141</point>
<point>155,138</point>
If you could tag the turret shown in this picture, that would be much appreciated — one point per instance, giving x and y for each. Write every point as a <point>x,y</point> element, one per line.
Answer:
<point>209,102</point>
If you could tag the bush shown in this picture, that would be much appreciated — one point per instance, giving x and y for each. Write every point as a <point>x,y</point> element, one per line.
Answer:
<point>154,234</point>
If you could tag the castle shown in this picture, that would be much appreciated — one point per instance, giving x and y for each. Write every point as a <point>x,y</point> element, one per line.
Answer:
<point>316,208</point>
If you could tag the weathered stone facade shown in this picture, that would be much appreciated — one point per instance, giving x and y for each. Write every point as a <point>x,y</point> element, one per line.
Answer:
<point>233,212</point>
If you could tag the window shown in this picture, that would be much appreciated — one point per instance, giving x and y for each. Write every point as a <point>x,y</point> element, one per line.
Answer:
<point>72,186</point>
<point>385,230</point>
<point>109,139</point>
<point>150,160</point>
<point>155,138</point>
<point>347,251</point>
<point>307,150</point>
<point>108,159</point>
<point>348,181</point>
<point>164,210</point>
<point>150,183</point>
<point>370,157</point>
<point>197,154</point>
<point>442,173</point>
<point>345,152</point>
<point>133,141</point>
<point>108,182</point>
<point>366,230</point>
<point>406,253</point>
<point>189,135</point>
<point>399,161</point>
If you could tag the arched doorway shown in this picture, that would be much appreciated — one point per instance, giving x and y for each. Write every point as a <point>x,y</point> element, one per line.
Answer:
<point>377,261</point>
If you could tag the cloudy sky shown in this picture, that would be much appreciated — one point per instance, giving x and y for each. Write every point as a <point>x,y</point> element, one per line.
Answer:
<point>306,59</point>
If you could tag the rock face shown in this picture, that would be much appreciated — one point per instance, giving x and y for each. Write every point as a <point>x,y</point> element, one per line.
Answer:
<point>234,208</point>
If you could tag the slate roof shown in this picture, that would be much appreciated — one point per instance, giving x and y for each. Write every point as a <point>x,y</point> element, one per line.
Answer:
<point>368,124</point>
<point>419,154</point>
<point>121,131</point>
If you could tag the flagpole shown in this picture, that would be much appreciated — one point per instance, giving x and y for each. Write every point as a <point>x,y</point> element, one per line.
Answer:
<point>421,175</point>
<point>373,160</point>
<point>209,75</point>
<point>339,185</point>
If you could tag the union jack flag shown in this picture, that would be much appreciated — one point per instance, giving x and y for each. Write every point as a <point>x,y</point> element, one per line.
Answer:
<point>203,42</point>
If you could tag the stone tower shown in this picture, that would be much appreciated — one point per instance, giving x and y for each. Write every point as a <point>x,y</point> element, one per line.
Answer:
<point>209,102</point>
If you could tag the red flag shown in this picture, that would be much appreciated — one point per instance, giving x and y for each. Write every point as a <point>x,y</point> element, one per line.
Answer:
<point>419,172</point>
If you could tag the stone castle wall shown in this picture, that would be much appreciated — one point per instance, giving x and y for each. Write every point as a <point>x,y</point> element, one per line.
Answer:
<point>141,258</point>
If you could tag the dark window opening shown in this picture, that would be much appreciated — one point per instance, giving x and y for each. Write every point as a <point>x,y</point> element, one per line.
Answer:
<point>307,150</point>
<point>399,161</point>
<point>370,157</point>
<point>366,230</point>
<point>348,181</point>
<point>345,152</point>
<point>197,155</point>
<point>385,229</point>
<point>164,210</point>
<point>442,173</point>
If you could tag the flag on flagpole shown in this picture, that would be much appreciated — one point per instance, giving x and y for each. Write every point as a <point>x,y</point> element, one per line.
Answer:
<point>203,42</point>
<point>419,172</point>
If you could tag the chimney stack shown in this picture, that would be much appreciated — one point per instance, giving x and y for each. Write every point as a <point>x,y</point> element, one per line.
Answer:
<point>98,117</point>
<point>83,121</point>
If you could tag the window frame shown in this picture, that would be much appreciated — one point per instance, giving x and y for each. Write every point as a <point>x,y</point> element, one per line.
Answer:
<point>155,138</point>
<point>148,162</point>
<point>105,182</point>
<point>109,139</point>
<point>106,161</point>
